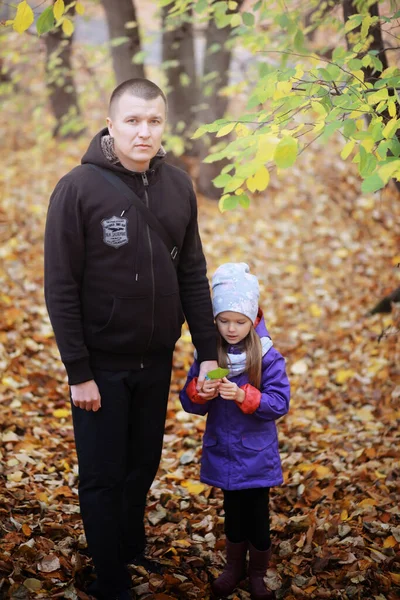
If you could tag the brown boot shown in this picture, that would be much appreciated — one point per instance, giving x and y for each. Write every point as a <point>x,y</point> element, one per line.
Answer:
<point>258,565</point>
<point>234,571</point>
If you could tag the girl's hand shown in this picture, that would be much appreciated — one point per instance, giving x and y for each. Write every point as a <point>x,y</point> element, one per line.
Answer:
<point>230,391</point>
<point>210,389</point>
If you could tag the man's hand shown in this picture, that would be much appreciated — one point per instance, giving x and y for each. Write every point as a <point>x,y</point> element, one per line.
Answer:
<point>205,366</point>
<point>86,395</point>
<point>230,391</point>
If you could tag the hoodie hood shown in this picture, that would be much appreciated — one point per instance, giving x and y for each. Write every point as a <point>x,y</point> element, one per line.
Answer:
<point>101,153</point>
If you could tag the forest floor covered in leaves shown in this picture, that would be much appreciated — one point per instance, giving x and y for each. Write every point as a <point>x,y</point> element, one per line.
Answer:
<point>324,255</point>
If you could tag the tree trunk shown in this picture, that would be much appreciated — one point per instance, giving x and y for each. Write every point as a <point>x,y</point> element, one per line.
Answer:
<point>218,62</point>
<point>61,86</point>
<point>349,9</point>
<point>118,13</point>
<point>182,90</point>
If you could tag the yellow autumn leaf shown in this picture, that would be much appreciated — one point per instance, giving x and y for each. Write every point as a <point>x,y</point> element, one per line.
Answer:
<point>61,413</point>
<point>67,27</point>
<point>226,129</point>
<point>344,515</point>
<point>322,471</point>
<point>367,502</point>
<point>58,9</point>
<point>193,487</point>
<point>42,497</point>
<point>266,148</point>
<point>259,181</point>
<point>389,542</point>
<point>80,9</point>
<point>282,89</point>
<point>347,149</point>
<point>396,260</point>
<point>24,17</point>
<point>315,310</point>
<point>392,108</point>
<point>241,130</point>
<point>343,375</point>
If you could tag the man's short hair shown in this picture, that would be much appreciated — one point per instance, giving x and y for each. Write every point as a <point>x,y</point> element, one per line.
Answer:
<point>139,87</point>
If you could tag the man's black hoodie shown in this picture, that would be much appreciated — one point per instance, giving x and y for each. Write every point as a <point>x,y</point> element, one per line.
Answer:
<point>113,294</point>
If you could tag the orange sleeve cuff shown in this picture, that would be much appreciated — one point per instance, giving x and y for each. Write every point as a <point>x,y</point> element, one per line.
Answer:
<point>252,399</point>
<point>192,393</point>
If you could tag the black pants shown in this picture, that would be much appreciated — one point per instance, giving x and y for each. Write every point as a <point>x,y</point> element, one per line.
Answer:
<point>119,450</point>
<point>247,516</point>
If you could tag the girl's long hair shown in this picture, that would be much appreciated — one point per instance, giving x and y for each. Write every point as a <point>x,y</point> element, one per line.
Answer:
<point>252,347</point>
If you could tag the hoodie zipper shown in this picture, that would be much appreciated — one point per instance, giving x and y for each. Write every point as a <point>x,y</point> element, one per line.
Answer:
<point>146,185</point>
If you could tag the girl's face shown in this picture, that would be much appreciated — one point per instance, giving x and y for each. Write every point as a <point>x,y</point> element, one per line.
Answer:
<point>233,326</point>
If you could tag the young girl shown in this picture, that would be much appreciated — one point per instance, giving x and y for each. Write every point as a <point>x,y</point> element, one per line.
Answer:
<point>240,444</point>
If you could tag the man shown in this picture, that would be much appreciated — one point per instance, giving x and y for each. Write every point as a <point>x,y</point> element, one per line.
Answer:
<point>117,301</point>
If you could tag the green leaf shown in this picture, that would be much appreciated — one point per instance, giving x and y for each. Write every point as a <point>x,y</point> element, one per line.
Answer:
<point>218,373</point>
<point>226,129</point>
<point>119,41</point>
<point>46,21</point>
<point>227,202</point>
<point>390,128</point>
<point>244,200</point>
<point>200,6</point>
<point>299,40</point>
<point>367,162</point>
<point>139,57</point>
<point>222,180</point>
<point>373,183</point>
<point>355,64</point>
<point>352,22</point>
<point>286,152</point>
<point>248,19</point>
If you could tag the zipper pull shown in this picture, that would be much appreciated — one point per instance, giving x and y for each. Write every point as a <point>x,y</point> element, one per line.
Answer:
<point>144,178</point>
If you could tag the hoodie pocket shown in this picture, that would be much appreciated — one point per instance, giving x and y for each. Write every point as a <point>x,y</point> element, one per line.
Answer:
<point>168,320</point>
<point>128,327</point>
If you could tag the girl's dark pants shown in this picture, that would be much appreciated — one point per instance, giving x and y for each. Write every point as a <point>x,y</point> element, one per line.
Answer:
<point>119,450</point>
<point>247,516</point>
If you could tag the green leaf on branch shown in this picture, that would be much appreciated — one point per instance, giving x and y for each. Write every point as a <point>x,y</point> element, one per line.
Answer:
<point>226,129</point>
<point>390,128</point>
<point>222,180</point>
<point>227,202</point>
<point>373,183</point>
<point>286,152</point>
<point>367,162</point>
<point>248,19</point>
<point>46,21</point>
<point>353,22</point>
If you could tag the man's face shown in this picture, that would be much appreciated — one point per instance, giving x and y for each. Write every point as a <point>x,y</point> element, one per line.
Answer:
<point>137,127</point>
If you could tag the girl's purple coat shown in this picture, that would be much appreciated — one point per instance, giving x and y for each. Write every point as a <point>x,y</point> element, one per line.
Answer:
<point>240,450</point>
